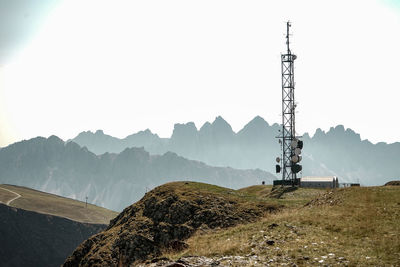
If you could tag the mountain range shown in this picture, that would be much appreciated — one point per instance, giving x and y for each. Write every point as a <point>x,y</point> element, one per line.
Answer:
<point>339,151</point>
<point>111,180</point>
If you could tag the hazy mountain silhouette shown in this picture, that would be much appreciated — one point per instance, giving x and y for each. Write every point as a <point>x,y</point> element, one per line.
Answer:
<point>336,152</point>
<point>101,143</point>
<point>109,180</point>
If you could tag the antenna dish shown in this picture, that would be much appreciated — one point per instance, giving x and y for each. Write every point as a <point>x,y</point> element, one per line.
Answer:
<point>277,168</point>
<point>295,159</point>
<point>296,168</point>
<point>300,144</point>
<point>278,159</point>
<point>293,144</point>
<point>297,151</point>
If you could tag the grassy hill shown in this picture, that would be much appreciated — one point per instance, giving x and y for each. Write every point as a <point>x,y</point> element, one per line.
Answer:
<point>195,224</point>
<point>350,226</point>
<point>164,218</point>
<point>46,203</point>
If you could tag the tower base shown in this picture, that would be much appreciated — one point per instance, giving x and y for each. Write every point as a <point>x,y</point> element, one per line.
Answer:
<point>295,182</point>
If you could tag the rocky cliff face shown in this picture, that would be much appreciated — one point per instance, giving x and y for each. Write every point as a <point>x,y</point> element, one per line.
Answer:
<point>33,239</point>
<point>162,220</point>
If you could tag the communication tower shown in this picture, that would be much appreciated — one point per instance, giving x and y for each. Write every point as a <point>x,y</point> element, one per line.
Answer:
<point>291,145</point>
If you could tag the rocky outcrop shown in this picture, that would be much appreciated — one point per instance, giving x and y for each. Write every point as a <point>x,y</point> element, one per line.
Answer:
<point>163,219</point>
<point>393,183</point>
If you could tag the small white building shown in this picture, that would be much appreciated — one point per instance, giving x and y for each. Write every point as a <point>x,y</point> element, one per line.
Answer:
<point>319,182</point>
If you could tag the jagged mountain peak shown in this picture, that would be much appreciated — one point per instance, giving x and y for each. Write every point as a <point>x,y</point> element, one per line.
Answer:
<point>336,132</point>
<point>255,125</point>
<point>219,129</point>
<point>306,136</point>
<point>189,124</point>
<point>340,128</point>
<point>147,131</point>
<point>205,127</point>
<point>318,133</point>
<point>84,134</point>
<point>51,141</point>
<point>258,120</point>
<point>220,121</point>
<point>98,134</point>
<point>220,124</point>
<point>276,125</point>
<point>144,133</point>
<point>55,139</point>
<point>184,130</point>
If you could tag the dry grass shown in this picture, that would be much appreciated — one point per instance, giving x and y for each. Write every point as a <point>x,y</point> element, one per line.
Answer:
<point>258,190</point>
<point>6,196</point>
<point>41,202</point>
<point>195,190</point>
<point>297,198</point>
<point>362,230</point>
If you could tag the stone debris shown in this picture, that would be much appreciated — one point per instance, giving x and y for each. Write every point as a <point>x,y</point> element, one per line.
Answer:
<point>176,264</point>
<point>248,260</point>
<point>329,198</point>
<point>270,242</point>
<point>198,261</point>
<point>273,225</point>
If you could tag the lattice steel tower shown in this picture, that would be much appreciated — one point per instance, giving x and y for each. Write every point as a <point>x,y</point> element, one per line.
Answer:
<point>291,146</point>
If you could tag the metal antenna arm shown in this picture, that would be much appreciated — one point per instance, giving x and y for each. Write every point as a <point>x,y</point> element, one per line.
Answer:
<point>288,25</point>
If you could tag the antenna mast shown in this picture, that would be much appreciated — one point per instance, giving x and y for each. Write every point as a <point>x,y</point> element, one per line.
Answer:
<point>291,146</point>
<point>288,25</point>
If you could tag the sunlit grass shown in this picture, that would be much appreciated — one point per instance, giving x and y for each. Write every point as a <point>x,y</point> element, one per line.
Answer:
<point>362,229</point>
<point>42,202</point>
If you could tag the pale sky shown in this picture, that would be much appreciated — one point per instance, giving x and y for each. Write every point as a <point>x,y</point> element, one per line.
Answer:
<point>125,66</point>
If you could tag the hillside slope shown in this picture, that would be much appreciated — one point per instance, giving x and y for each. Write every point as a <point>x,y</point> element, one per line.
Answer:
<point>45,203</point>
<point>202,225</point>
<point>345,227</point>
<point>163,219</point>
<point>32,239</point>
